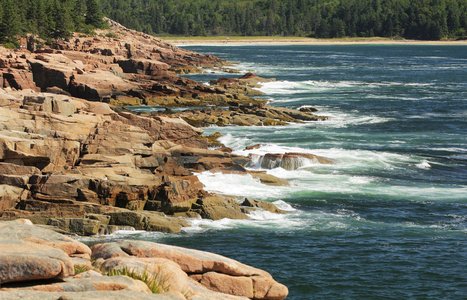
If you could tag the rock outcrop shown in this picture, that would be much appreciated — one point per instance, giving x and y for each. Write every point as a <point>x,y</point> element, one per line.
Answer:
<point>37,263</point>
<point>85,169</point>
<point>212,271</point>
<point>287,161</point>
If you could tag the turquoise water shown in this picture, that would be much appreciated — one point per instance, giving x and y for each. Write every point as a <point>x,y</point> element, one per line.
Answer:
<point>389,219</point>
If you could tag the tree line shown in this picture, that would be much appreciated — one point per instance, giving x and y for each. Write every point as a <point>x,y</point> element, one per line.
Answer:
<point>413,19</point>
<point>47,18</point>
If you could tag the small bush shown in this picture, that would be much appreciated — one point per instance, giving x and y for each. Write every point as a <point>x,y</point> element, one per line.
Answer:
<point>111,35</point>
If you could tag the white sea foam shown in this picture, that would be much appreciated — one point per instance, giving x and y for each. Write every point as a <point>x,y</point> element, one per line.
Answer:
<point>283,205</point>
<point>295,87</point>
<point>240,185</point>
<point>281,87</point>
<point>258,219</point>
<point>360,180</point>
<point>423,165</point>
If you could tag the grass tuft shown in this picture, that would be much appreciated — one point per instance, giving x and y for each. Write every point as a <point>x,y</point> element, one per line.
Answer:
<point>156,282</point>
<point>81,269</point>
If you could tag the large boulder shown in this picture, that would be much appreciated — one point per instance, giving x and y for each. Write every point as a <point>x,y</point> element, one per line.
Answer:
<point>215,272</point>
<point>217,207</point>
<point>53,70</point>
<point>145,220</point>
<point>32,253</point>
<point>144,66</point>
<point>48,155</point>
<point>79,226</point>
<point>26,232</point>
<point>101,283</point>
<point>292,160</point>
<point>87,295</point>
<point>18,79</point>
<point>22,261</point>
<point>248,202</point>
<point>167,273</point>
<point>97,85</point>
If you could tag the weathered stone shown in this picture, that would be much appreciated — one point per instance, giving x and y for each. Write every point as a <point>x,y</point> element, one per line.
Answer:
<point>269,179</point>
<point>292,161</point>
<point>233,285</point>
<point>14,230</point>
<point>83,227</point>
<point>144,66</point>
<point>199,292</point>
<point>52,70</point>
<point>88,295</point>
<point>98,84</point>
<point>146,221</point>
<point>10,196</point>
<point>23,261</point>
<point>14,169</point>
<point>103,283</point>
<point>216,207</point>
<point>215,272</point>
<point>167,272</point>
<point>177,195</point>
<point>31,253</point>
<point>103,219</point>
<point>262,204</point>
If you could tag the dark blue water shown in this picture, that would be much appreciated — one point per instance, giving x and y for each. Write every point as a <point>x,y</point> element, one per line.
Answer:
<point>389,219</point>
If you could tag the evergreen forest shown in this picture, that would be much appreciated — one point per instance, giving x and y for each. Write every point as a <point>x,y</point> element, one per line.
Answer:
<point>410,19</point>
<point>47,18</point>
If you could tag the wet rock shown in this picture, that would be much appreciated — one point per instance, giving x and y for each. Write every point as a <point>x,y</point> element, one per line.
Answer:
<point>262,205</point>
<point>292,161</point>
<point>269,179</point>
<point>217,207</point>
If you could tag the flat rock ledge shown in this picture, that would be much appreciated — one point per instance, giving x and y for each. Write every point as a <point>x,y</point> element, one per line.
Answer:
<point>37,263</point>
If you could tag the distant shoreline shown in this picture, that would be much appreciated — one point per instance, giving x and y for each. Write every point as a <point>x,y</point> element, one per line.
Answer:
<point>224,41</point>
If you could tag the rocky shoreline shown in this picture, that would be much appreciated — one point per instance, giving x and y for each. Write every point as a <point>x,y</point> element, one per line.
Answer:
<point>37,263</point>
<point>73,160</point>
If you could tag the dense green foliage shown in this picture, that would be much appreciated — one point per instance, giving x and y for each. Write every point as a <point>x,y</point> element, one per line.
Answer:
<point>47,18</point>
<point>415,19</point>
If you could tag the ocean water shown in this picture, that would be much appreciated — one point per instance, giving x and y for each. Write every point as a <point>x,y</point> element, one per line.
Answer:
<point>389,219</point>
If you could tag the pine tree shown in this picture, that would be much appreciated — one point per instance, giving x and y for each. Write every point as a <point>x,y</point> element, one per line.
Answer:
<point>94,14</point>
<point>63,21</point>
<point>9,26</point>
<point>78,14</point>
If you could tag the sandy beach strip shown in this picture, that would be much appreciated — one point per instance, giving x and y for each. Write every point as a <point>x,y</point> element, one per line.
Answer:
<point>234,41</point>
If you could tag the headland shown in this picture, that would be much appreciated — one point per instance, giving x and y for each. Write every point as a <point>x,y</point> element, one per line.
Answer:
<point>75,160</point>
